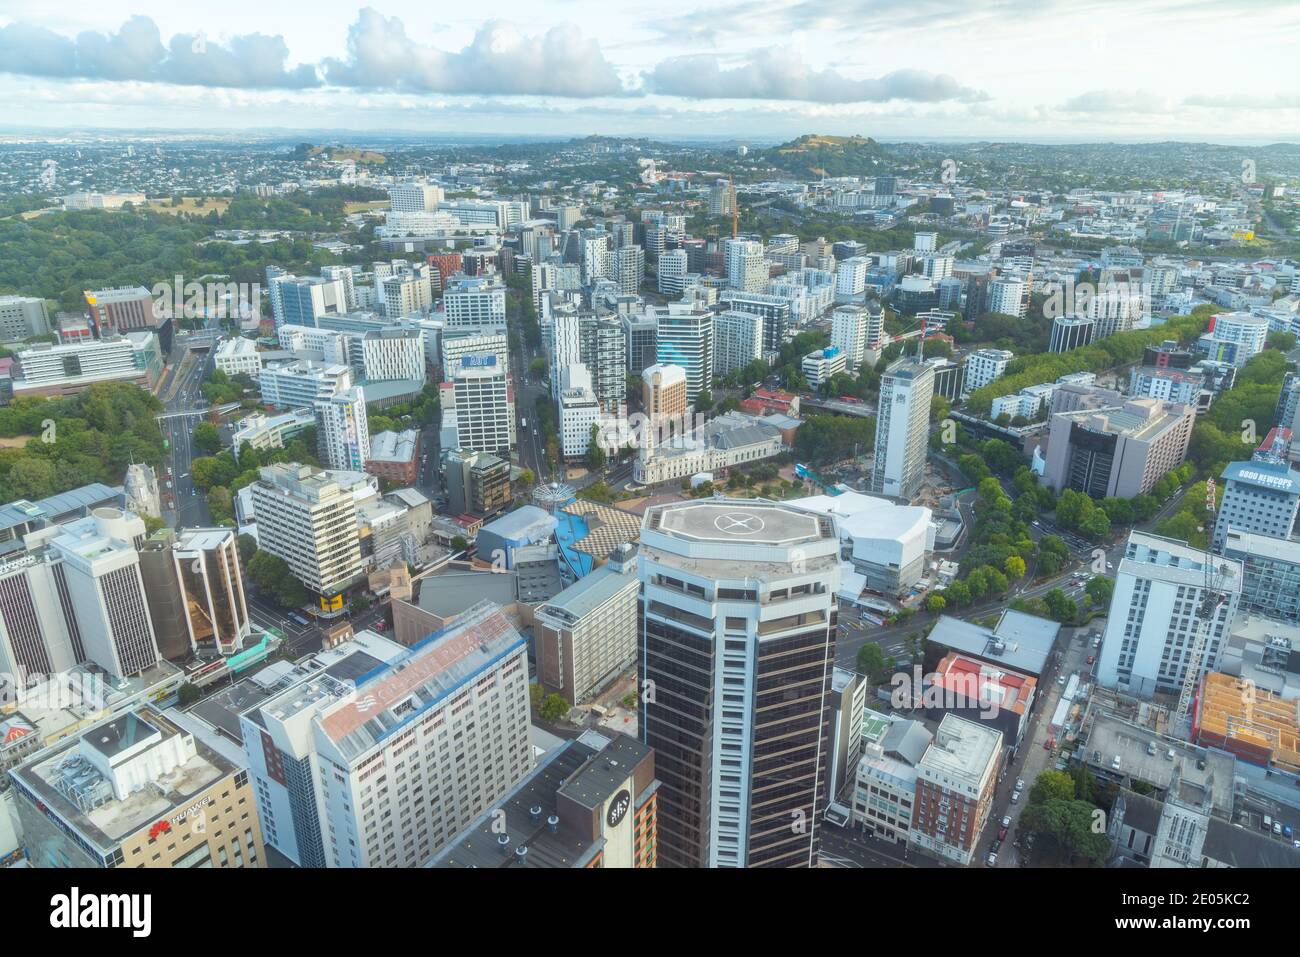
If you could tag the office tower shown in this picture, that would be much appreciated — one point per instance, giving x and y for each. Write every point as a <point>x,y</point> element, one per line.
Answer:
<point>474,301</point>
<point>737,649</point>
<point>212,590</point>
<point>343,430</point>
<point>23,317</point>
<point>746,265</point>
<point>663,392</point>
<point>854,329</point>
<point>38,622</point>
<point>985,365</point>
<point>307,518</point>
<point>629,269</point>
<point>579,412</point>
<point>1260,498</point>
<point>474,347</point>
<point>302,383</point>
<point>129,309</point>
<point>687,341</point>
<point>902,428</point>
<point>478,410</point>
<point>776,311</point>
<point>383,767</point>
<point>136,791</point>
<point>591,803</point>
<point>1118,452</point>
<point>1007,296</point>
<point>1154,615</point>
<point>1270,582</point>
<point>48,369</point>
<point>1071,332</point>
<point>305,299</point>
<point>414,197</point>
<point>586,636</point>
<point>956,782</point>
<point>671,272</point>
<point>737,341</point>
<point>104,587</point>
<point>477,483</point>
<point>639,331</point>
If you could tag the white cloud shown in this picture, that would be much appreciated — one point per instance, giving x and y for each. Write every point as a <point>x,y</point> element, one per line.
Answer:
<point>1116,101</point>
<point>500,59</point>
<point>781,74</point>
<point>136,52</point>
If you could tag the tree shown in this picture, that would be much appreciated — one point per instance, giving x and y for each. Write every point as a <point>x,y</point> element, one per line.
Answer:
<point>1096,526</point>
<point>935,603</point>
<point>1052,786</point>
<point>1070,826</point>
<point>703,401</point>
<point>247,545</point>
<point>1059,607</point>
<point>1099,589</point>
<point>1014,566</point>
<point>871,660</point>
<point>957,594</point>
<point>595,451</point>
<point>940,408</point>
<point>207,437</point>
<point>459,544</point>
<point>553,708</point>
<point>527,478</point>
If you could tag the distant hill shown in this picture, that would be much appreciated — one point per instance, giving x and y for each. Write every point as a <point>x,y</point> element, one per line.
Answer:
<point>815,155</point>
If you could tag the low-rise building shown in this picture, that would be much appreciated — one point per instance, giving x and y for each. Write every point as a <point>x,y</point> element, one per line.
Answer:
<point>586,636</point>
<point>395,456</point>
<point>955,783</point>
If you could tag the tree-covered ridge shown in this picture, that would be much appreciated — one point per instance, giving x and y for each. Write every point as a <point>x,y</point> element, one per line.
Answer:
<point>91,437</point>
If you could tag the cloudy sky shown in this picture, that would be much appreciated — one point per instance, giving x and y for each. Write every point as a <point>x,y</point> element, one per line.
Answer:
<point>1222,70</point>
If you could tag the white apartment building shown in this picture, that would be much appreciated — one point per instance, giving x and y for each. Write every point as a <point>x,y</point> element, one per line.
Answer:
<point>309,342</point>
<point>309,519</point>
<point>393,354</point>
<point>672,270</point>
<point>384,770</point>
<point>1007,296</point>
<point>414,197</point>
<point>405,295</point>
<point>629,269</point>
<point>851,278</point>
<point>985,365</point>
<point>474,301</point>
<point>292,385</point>
<point>746,265</point>
<point>818,367</point>
<point>737,341</point>
<point>237,356</point>
<point>902,428</point>
<point>343,430</point>
<point>1154,615</point>
<point>854,330</point>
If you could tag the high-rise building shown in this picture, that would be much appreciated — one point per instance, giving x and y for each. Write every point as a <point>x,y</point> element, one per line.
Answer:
<point>1007,296</point>
<point>211,590</point>
<point>902,427</point>
<point>383,767</point>
<point>136,791</point>
<point>1154,615</point>
<point>474,347</point>
<point>639,331</point>
<point>586,636</point>
<point>1118,452</point>
<point>414,197</point>
<point>1260,498</point>
<point>746,265</point>
<point>309,520</point>
<point>737,341</point>
<point>129,309</point>
<point>478,410</point>
<point>776,312</point>
<point>1234,337</point>
<point>477,483</point>
<point>686,341</point>
<point>1071,332</point>
<point>720,199</point>
<point>985,365</point>
<point>63,369</point>
<point>292,385</point>
<point>23,317</point>
<point>671,272</point>
<point>405,294</point>
<point>303,300</point>
<point>474,301</point>
<point>737,649</point>
<point>579,413</point>
<point>854,329</point>
<point>851,278</point>
<point>629,269</point>
<point>343,430</point>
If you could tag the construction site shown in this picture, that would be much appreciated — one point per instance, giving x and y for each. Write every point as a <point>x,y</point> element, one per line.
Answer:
<point>1257,726</point>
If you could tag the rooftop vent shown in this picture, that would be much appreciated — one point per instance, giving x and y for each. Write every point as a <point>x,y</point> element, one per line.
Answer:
<point>503,842</point>
<point>553,823</point>
<point>520,853</point>
<point>535,812</point>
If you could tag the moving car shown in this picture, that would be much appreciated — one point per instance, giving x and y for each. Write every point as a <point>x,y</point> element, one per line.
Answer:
<point>992,860</point>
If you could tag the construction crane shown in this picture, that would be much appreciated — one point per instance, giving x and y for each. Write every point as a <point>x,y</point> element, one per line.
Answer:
<point>1212,600</point>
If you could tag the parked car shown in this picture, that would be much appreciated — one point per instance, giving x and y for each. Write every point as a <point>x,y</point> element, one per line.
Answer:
<point>1020,784</point>
<point>1091,658</point>
<point>992,860</point>
<point>1015,797</point>
<point>1002,833</point>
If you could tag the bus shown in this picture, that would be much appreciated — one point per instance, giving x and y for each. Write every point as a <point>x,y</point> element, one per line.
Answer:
<point>166,445</point>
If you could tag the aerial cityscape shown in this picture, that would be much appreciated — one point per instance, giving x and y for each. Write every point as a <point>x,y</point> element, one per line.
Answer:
<point>647,438</point>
